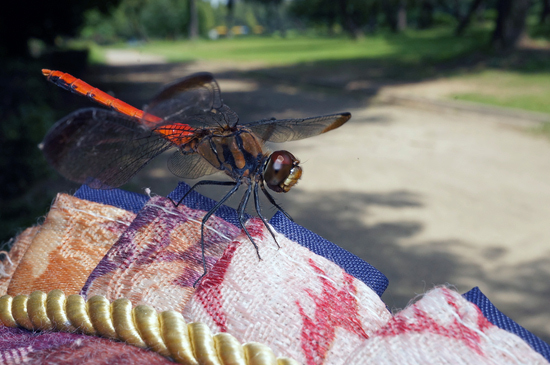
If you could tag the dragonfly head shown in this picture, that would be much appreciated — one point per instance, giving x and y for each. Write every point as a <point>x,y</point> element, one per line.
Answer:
<point>281,171</point>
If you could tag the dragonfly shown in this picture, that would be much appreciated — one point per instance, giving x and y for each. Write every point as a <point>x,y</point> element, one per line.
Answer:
<point>104,148</point>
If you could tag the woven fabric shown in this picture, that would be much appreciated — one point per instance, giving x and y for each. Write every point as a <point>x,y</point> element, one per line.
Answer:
<point>352,264</point>
<point>499,319</point>
<point>20,245</point>
<point>18,346</point>
<point>443,328</point>
<point>298,303</point>
<point>158,258</point>
<point>74,237</point>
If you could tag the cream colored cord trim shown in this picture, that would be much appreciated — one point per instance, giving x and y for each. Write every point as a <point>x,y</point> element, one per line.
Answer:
<point>141,326</point>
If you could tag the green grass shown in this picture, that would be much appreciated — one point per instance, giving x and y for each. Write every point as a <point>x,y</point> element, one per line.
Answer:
<point>507,88</point>
<point>411,47</point>
<point>96,52</point>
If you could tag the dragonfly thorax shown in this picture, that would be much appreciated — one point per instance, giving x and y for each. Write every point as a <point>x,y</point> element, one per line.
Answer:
<point>237,152</point>
<point>281,171</point>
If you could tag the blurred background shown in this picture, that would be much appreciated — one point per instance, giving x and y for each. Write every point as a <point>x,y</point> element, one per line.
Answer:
<point>441,176</point>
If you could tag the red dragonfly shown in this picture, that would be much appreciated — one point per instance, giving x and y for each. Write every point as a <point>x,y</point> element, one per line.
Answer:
<point>105,148</point>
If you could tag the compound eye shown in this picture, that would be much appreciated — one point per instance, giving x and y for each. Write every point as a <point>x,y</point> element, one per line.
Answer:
<point>282,171</point>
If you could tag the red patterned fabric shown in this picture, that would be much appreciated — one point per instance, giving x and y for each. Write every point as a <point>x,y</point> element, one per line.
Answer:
<point>443,328</point>
<point>301,305</point>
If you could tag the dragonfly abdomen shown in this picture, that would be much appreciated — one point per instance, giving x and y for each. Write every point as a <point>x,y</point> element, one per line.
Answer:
<point>77,86</point>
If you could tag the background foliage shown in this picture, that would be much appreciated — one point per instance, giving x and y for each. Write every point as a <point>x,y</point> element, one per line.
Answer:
<point>407,39</point>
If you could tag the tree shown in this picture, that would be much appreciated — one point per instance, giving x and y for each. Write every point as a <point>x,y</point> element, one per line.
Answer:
<point>396,14</point>
<point>545,12</point>
<point>465,21</point>
<point>273,8</point>
<point>26,19</point>
<point>193,20</point>
<point>316,12</point>
<point>511,23</point>
<point>347,19</point>
<point>230,18</point>
<point>352,15</point>
<point>402,15</point>
<point>426,14</point>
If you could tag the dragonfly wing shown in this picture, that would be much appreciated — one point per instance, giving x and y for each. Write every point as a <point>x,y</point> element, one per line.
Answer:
<point>101,148</point>
<point>195,100</point>
<point>190,166</point>
<point>283,130</point>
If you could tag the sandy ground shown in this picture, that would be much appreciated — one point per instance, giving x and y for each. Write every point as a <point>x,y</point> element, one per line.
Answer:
<point>429,197</point>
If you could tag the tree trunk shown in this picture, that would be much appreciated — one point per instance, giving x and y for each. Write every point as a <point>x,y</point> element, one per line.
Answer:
<point>511,21</point>
<point>348,23</point>
<point>279,19</point>
<point>426,16</point>
<point>465,21</point>
<point>372,23</point>
<point>230,17</point>
<point>545,12</point>
<point>193,20</point>
<point>390,15</point>
<point>402,16</point>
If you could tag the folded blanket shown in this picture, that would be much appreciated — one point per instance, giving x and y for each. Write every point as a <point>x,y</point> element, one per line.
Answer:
<point>305,299</point>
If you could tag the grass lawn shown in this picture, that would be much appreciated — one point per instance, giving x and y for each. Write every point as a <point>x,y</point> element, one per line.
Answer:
<point>410,47</point>
<point>509,88</point>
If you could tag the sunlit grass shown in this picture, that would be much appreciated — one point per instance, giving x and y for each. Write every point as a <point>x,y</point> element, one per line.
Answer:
<point>412,46</point>
<point>96,53</point>
<point>506,88</point>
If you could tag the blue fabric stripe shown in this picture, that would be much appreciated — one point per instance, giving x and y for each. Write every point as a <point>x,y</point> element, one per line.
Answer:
<point>500,320</point>
<point>115,197</point>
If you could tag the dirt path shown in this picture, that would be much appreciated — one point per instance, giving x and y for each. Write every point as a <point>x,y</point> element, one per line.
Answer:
<point>428,197</point>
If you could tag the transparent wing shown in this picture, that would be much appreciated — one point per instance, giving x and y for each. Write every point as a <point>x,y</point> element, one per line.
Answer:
<point>101,148</point>
<point>190,166</point>
<point>195,100</point>
<point>283,130</point>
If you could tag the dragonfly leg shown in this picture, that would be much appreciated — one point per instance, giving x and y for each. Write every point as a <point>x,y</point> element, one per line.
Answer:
<point>240,209</point>
<point>205,219</point>
<point>203,182</point>
<point>272,201</point>
<point>259,211</point>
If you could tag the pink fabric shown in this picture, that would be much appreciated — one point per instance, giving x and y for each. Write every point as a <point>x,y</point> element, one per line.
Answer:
<point>443,328</point>
<point>300,304</point>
